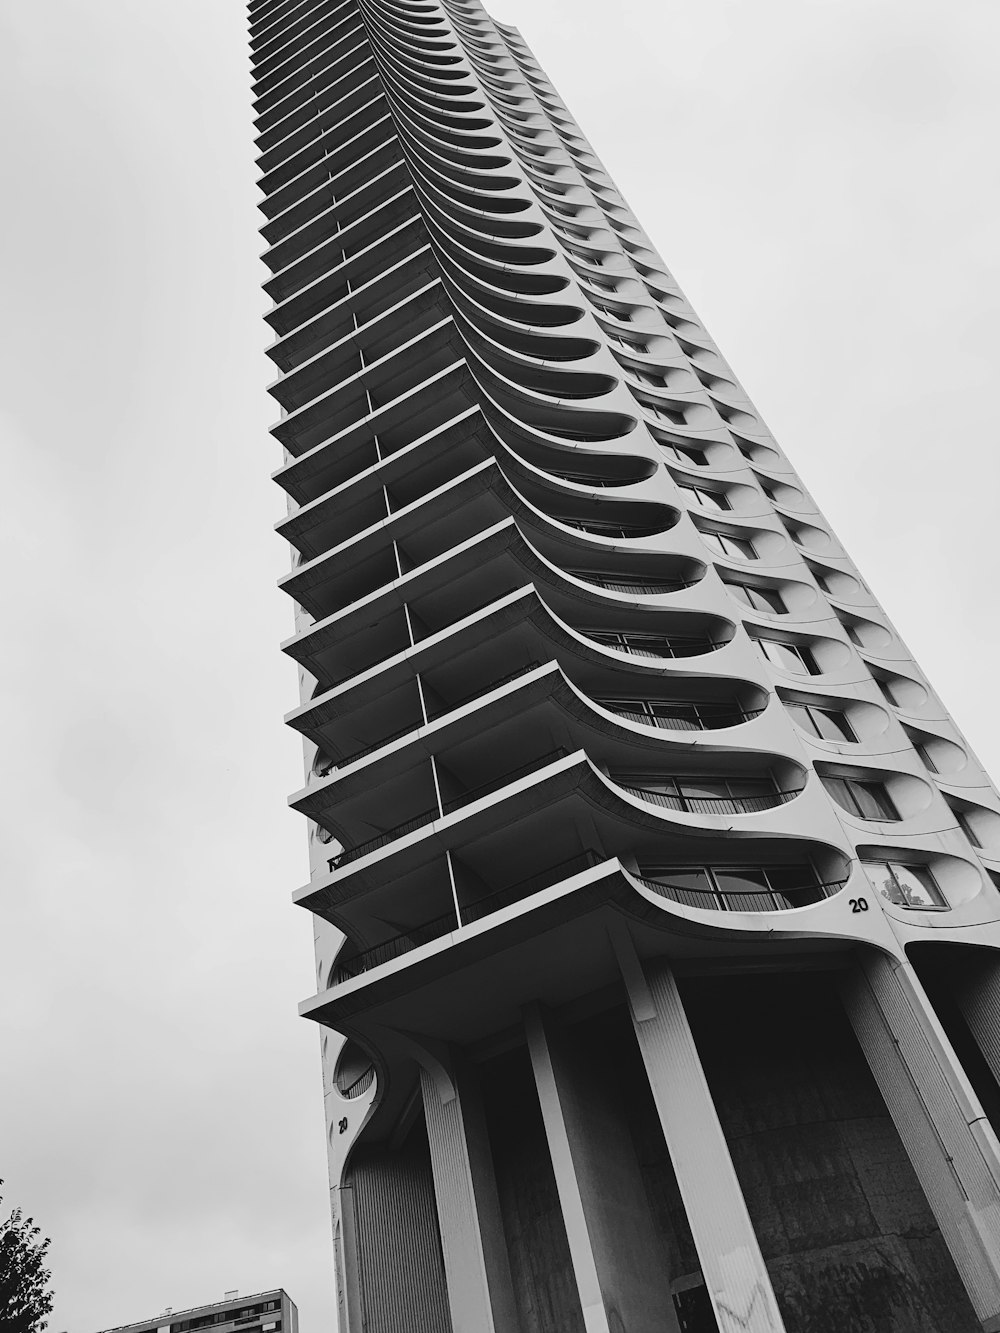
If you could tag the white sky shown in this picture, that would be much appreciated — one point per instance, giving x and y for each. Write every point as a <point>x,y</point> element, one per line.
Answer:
<point>821,177</point>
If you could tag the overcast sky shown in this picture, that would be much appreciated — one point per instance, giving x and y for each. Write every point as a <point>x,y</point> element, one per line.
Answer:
<point>820,175</point>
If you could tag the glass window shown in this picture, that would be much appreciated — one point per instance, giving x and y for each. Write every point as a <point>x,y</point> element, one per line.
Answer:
<point>867,800</point>
<point>965,824</point>
<point>886,691</point>
<point>683,454</point>
<point>906,885</point>
<point>829,724</point>
<point>789,657</point>
<point>927,759</point>
<point>704,789</point>
<point>688,884</point>
<point>761,599</point>
<point>708,498</point>
<point>736,880</point>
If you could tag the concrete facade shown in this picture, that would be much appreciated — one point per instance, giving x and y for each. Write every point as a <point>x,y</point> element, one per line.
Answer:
<point>655,892</point>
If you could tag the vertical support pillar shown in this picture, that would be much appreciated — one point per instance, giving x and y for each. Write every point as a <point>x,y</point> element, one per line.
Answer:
<point>477,1270</point>
<point>588,1282</point>
<point>953,1150</point>
<point>345,1258</point>
<point>735,1275</point>
<point>622,1274</point>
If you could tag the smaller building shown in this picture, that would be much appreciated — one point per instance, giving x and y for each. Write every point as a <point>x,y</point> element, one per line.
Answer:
<point>265,1312</point>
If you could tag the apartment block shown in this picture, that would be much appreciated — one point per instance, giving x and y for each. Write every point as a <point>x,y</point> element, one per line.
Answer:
<point>266,1312</point>
<point>656,893</point>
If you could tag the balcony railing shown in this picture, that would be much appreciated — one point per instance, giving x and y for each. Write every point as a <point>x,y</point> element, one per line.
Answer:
<point>686,716</point>
<point>598,528</point>
<point>447,807</point>
<point>589,479</point>
<point>764,899</point>
<point>656,645</point>
<point>361,1084</point>
<point>433,716</point>
<point>622,583</point>
<point>711,805</point>
<point>443,925</point>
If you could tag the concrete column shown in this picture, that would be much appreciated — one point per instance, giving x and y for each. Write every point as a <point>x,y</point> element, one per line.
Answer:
<point>345,1259</point>
<point>953,1150</point>
<point>621,1271</point>
<point>480,1293</point>
<point>733,1267</point>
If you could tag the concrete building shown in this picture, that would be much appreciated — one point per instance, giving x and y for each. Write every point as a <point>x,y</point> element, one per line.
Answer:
<point>266,1312</point>
<point>655,892</point>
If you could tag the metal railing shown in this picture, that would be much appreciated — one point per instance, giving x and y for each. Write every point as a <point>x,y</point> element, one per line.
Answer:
<point>750,900</point>
<point>647,587</point>
<point>503,780</point>
<point>450,707</point>
<point>448,807</point>
<point>476,911</point>
<point>360,849</point>
<point>655,645</point>
<point>688,717</point>
<point>587,479</point>
<point>361,1084</point>
<point>497,684</point>
<point>601,529</point>
<point>711,805</point>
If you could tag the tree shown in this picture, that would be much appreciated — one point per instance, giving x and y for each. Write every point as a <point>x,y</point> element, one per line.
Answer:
<point>25,1298</point>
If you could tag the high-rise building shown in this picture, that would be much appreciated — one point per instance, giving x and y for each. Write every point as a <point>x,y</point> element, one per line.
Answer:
<point>266,1312</point>
<point>655,892</point>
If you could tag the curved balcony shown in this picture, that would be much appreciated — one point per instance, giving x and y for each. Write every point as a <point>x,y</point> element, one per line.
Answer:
<point>641,585</point>
<point>682,714</point>
<point>707,796</point>
<point>380,840</point>
<point>748,888</point>
<point>639,644</point>
<point>602,528</point>
<point>354,964</point>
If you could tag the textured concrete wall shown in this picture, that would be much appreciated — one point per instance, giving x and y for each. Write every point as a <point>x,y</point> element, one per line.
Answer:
<point>400,1270</point>
<point>542,1272</point>
<point>846,1231</point>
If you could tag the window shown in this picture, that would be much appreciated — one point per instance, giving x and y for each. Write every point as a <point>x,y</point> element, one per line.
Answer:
<point>927,759</point>
<point>760,599</point>
<point>703,496</point>
<point>829,724</point>
<point>741,547</point>
<point>739,888</point>
<point>640,348</point>
<point>683,454</point>
<point>678,714</point>
<point>658,381</point>
<point>886,691</point>
<point>792,657</point>
<point>965,824</point>
<point>866,800</point>
<point>672,415</point>
<point>713,796</point>
<point>906,885</point>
